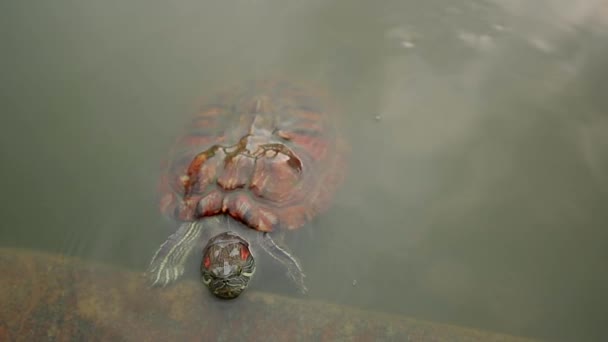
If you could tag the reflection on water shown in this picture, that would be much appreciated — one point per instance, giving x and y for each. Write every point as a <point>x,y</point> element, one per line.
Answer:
<point>477,187</point>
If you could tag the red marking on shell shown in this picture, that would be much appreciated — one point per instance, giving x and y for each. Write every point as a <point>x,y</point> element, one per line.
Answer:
<point>268,217</point>
<point>207,174</point>
<point>192,174</point>
<point>240,206</point>
<point>309,116</point>
<point>207,115</point>
<point>275,177</point>
<point>314,147</point>
<point>286,185</point>
<point>203,122</point>
<point>236,174</point>
<point>210,204</point>
<point>187,208</point>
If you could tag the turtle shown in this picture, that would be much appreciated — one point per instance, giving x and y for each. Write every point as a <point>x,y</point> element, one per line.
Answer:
<point>258,160</point>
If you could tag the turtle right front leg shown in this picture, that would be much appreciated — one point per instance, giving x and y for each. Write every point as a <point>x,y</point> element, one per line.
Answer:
<point>282,254</point>
<point>167,264</point>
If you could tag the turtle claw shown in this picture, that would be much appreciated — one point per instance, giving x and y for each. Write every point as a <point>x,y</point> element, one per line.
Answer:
<point>297,278</point>
<point>302,287</point>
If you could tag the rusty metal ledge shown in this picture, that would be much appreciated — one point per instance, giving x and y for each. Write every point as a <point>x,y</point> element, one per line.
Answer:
<point>46,297</point>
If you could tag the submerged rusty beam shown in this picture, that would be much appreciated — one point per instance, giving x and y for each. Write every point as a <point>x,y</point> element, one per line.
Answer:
<point>46,297</point>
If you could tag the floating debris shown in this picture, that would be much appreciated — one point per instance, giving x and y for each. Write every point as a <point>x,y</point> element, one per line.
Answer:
<point>482,42</point>
<point>499,28</point>
<point>404,37</point>
<point>407,44</point>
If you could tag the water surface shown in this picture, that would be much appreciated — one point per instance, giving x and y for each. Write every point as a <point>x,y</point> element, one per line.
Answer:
<point>477,189</point>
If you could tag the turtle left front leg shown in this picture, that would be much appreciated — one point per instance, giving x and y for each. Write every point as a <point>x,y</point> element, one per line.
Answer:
<point>282,255</point>
<point>167,264</point>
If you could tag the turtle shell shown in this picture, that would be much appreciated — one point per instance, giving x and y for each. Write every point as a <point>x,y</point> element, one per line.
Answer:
<point>267,153</point>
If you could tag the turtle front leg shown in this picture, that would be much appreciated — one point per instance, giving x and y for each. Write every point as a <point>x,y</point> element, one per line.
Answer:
<point>167,264</point>
<point>282,255</point>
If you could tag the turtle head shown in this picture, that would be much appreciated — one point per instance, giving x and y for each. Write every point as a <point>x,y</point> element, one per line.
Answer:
<point>227,265</point>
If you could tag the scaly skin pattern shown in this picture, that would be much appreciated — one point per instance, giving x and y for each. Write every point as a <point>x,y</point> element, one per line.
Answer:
<point>266,153</point>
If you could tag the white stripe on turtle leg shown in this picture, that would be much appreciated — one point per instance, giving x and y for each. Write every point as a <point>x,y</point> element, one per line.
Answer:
<point>167,264</point>
<point>282,255</point>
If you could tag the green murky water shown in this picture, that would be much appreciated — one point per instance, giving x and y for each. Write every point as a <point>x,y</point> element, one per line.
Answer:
<point>478,187</point>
